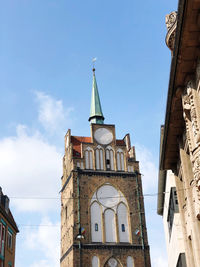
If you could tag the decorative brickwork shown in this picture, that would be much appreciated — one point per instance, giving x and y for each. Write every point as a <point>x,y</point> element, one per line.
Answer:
<point>80,181</point>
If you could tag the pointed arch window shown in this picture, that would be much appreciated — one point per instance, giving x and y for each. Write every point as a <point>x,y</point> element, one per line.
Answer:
<point>122,216</point>
<point>96,218</point>
<point>95,261</point>
<point>99,158</point>
<point>88,158</point>
<point>110,225</point>
<point>109,205</point>
<point>130,169</point>
<point>112,262</point>
<point>130,261</point>
<point>109,158</point>
<point>120,160</point>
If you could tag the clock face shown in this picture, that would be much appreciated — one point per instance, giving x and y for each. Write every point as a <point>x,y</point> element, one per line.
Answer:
<point>103,136</point>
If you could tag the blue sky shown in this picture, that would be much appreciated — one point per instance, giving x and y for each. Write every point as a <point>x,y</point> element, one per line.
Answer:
<point>46,50</point>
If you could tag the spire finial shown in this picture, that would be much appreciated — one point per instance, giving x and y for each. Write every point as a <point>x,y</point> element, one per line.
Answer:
<point>93,64</point>
<point>96,114</point>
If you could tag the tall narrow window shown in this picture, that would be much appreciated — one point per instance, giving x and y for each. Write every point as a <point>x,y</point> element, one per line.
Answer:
<point>99,158</point>
<point>88,158</point>
<point>109,158</point>
<point>130,262</point>
<point>2,244</point>
<point>110,226</point>
<point>95,261</point>
<point>96,227</point>
<point>9,240</point>
<point>122,216</point>
<point>173,208</point>
<point>120,160</point>
<point>181,260</point>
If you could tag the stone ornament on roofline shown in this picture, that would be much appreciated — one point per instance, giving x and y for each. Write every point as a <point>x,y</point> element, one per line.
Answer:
<point>171,23</point>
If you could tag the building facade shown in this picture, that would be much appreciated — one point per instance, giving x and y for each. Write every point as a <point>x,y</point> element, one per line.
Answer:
<point>102,208</point>
<point>168,208</point>
<point>8,231</point>
<point>180,148</point>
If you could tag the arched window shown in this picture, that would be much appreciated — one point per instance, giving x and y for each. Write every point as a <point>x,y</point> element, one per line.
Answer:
<point>88,158</point>
<point>110,226</point>
<point>130,262</point>
<point>130,168</point>
<point>109,158</point>
<point>99,158</point>
<point>112,262</point>
<point>123,228</point>
<point>95,261</point>
<point>120,160</point>
<point>96,226</point>
<point>109,203</point>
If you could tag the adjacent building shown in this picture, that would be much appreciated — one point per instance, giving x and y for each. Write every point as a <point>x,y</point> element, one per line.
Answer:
<point>8,231</point>
<point>102,209</point>
<point>168,208</point>
<point>179,176</point>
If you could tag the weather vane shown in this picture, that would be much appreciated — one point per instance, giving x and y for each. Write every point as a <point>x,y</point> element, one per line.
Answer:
<point>93,63</point>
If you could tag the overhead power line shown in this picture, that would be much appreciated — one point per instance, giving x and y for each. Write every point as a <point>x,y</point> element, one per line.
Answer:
<point>58,198</point>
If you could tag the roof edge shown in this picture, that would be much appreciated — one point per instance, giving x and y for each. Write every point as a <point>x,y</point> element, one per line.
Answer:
<point>171,89</point>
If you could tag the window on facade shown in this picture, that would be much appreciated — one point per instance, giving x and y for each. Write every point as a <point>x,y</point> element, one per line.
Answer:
<point>130,261</point>
<point>2,239</point>
<point>110,204</point>
<point>96,219</point>
<point>110,226</point>
<point>120,160</point>
<point>173,208</point>
<point>99,158</point>
<point>181,260</point>
<point>10,240</point>
<point>96,227</point>
<point>130,168</point>
<point>109,158</point>
<point>88,158</point>
<point>112,262</point>
<point>95,261</point>
<point>123,227</point>
<point>122,215</point>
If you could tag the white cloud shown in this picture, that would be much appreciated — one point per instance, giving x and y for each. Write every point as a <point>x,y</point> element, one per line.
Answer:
<point>29,166</point>
<point>159,262</point>
<point>52,115</point>
<point>46,240</point>
<point>147,168</point>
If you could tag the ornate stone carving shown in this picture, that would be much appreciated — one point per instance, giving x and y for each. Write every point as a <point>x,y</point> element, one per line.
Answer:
<point>186,102</point>
<point>193,112</point>
<point>198,71</point>
<point>196,170</point>
<point>190,117</point>
<point>171,23</point>
<point>170,19</point>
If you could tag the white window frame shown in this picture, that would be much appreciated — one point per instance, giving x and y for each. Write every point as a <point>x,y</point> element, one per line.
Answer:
<point>120,160</point>
<point>99,158</point>
<point>110,157</point>
<point>89,158</point>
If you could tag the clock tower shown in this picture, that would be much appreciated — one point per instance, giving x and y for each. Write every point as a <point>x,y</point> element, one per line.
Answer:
<point>102,209</point>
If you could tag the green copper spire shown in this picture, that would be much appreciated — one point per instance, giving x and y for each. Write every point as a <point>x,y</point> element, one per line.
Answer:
<point>96,114</point>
